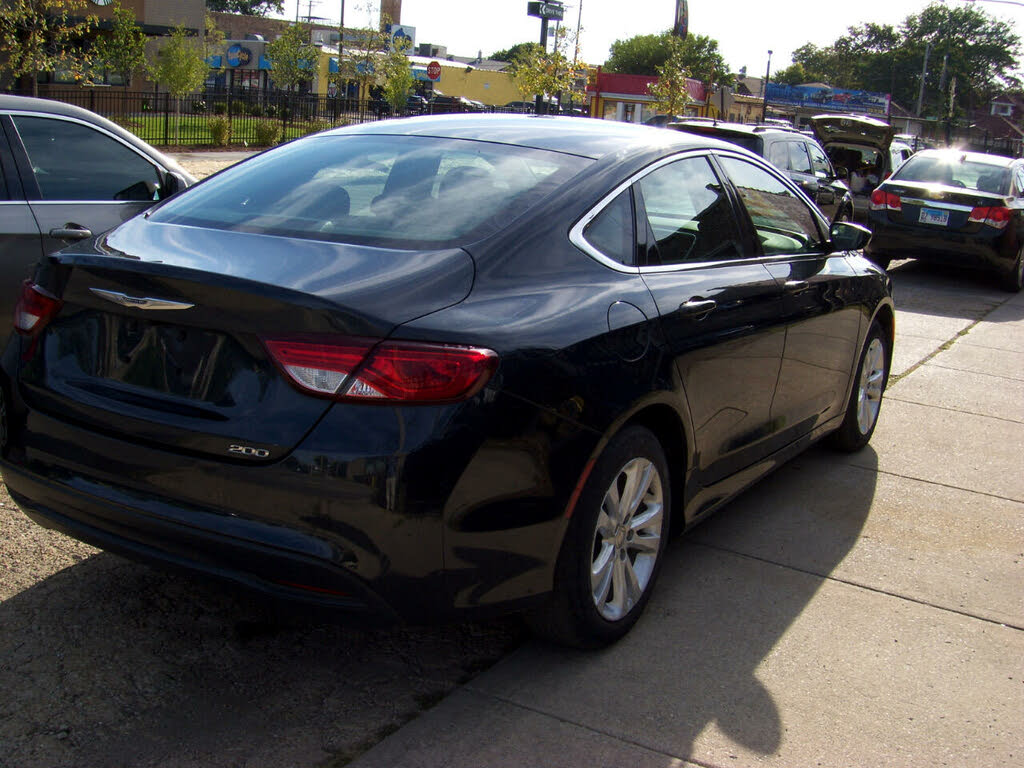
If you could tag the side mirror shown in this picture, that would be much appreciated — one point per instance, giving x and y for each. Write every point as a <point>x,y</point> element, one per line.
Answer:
<point>173,184</point>
<point>846,236</point>
<point>842,173</point>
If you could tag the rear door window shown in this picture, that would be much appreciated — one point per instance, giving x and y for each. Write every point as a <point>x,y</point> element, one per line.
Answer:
<point>688,213</point>
<point>798,160</point>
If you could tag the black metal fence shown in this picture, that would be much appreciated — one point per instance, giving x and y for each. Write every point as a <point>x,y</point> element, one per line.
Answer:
<point>247,118</point>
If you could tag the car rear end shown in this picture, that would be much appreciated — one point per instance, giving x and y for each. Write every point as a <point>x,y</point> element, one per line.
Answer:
<point>949,209</point>
<point>223,386</point>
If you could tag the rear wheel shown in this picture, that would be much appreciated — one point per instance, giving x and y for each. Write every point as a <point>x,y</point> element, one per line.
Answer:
<point>613,549</point>
<point>866,397</point>
<point>1013,280</point>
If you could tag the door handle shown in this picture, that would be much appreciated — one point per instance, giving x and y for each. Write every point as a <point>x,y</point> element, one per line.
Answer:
<point>793,286</point>
<point>71,231</point>
<point>697,308</point>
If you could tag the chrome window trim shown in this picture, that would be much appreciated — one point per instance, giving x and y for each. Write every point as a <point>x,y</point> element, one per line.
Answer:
<point>576,232</point>
<point>15,113</point>
<point>90,202</point>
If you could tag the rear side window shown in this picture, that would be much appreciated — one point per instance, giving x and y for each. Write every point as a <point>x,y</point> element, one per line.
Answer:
<point>400,191</point>
<point>689,215</point>
<point>72,161</point>
<point>612,231</point>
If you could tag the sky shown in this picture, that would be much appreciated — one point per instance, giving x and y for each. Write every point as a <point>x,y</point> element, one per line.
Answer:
<point>745,29</point>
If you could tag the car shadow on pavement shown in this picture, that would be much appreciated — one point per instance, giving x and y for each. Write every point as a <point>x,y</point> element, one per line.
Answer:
<point>730,593</point>
<point>112,663</point>
<point>946,291</point>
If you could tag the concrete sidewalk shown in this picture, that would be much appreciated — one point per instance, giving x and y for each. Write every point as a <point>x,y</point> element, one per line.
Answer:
<point>863,610</point>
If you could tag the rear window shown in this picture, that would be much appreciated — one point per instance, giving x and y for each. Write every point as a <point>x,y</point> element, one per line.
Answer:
<point>745,140</point>
<point>953,170</point>
<point>398,191</point>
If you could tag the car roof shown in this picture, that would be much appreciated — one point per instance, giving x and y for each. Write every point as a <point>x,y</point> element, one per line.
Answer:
<point>10,103</point>
<point>1001,161</point>
<point>572,135</point>
<point>735,128</point>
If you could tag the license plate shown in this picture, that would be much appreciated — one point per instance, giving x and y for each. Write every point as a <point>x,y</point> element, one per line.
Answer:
<point>934,216</point>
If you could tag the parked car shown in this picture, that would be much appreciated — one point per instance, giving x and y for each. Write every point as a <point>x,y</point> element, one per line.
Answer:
<point>416,104</point>
<point>443,364</point>
<point>67,174</point>
<point>800,156</point>
<point>963,208</point>
<point>864,152</point>
<point>445,104</point>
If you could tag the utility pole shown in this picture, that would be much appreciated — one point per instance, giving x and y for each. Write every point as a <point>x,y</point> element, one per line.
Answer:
<point>924,74</point>
<point>767,76</point>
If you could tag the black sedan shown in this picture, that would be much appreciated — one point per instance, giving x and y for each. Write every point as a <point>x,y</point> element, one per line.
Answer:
<point>961,208</point>
<point>443,364</point>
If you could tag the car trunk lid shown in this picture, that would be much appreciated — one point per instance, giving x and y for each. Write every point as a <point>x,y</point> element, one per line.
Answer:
<point>160,346</point>
<point>852,129</point>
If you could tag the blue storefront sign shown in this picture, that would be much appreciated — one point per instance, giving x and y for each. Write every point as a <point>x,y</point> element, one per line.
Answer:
<point>819,97</point>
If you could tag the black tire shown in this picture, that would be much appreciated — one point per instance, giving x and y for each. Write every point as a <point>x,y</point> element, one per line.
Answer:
<point>586,611</point>
<point>1013,280</point>
<point>865,401</point>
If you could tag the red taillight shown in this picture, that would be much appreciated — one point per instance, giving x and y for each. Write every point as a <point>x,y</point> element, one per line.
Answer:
<point>35,308</point>
<point>392,371</point>
<point>880,200</point>
<point>997,216</point>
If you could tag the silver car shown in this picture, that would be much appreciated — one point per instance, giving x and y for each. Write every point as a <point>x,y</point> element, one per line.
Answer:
<point>67,174</point>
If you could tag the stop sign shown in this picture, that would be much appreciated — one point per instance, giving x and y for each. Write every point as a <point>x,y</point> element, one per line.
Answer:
<point>434,70</point>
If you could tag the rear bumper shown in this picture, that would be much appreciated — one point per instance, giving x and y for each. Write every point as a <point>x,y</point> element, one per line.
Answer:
<point>469,525</point>
<point>988,251</point>
<point>247,556</point>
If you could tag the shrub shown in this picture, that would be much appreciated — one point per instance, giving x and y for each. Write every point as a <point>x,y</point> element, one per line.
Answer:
<point>315,126</point>
<point>268,133</point>
<point>220,108</point>
<point>237,108</point>
<point>220,131</point>
<point>198,106</point>
<point>145,105</point>
<point>254,110</point>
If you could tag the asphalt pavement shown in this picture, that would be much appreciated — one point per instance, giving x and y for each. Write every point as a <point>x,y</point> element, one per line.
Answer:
<point>850,610</point>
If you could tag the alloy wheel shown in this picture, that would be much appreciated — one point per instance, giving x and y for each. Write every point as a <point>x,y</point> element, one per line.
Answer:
<point>627,539</point>
<point>872,378</point>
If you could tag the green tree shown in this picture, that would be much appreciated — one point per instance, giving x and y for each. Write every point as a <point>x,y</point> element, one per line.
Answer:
<point>794,74</point>
<point>548,73</point>
<point>123,50</point>
<point>670,94</point>
<point>516,52</point>
<point>978,50</point>
<point>647,54</point>
<point>640,55</point>
<point>246,7</point>
<point>181,67</point>
<point>291,57</point>
<point>43,36</point>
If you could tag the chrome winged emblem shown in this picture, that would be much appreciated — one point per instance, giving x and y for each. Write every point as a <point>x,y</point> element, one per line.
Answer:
<point>139,302</point>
